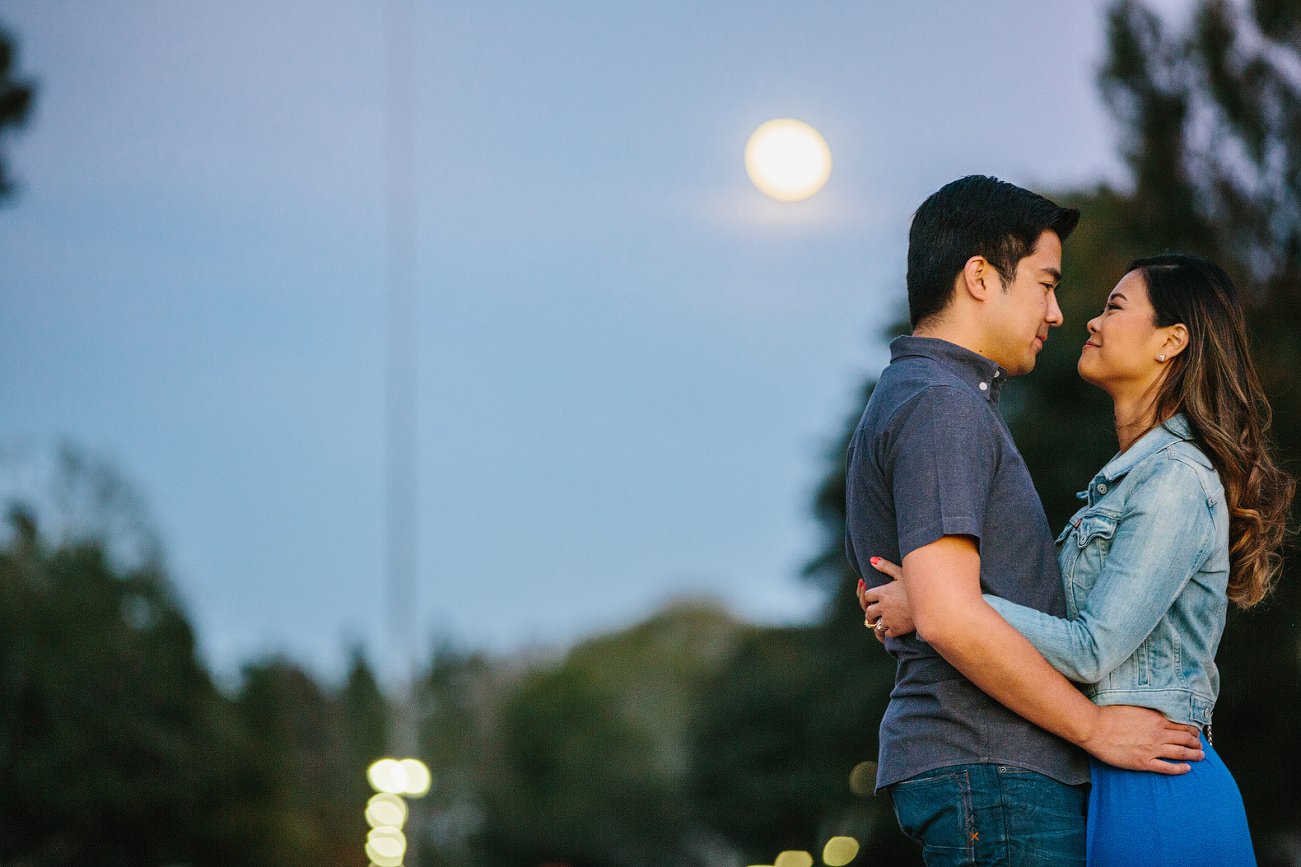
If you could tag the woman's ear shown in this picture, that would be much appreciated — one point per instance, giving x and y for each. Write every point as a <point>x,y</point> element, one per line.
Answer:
<point>1176,341</point>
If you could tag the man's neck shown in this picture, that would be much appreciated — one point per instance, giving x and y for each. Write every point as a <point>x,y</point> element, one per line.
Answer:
<point>954,333</point>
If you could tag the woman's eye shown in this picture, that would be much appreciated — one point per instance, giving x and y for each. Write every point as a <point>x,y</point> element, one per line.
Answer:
<point>1112,306</point>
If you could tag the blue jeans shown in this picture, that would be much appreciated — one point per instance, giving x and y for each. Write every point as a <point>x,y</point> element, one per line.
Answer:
<point>992,815</point>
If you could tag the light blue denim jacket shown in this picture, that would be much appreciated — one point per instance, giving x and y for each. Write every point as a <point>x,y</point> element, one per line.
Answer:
<point>1145,565</point>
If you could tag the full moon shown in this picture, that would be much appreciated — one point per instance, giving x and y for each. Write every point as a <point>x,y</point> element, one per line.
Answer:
<point>787,160</point>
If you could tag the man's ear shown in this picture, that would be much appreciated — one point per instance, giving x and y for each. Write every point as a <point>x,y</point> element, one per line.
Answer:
<point>979,279</point>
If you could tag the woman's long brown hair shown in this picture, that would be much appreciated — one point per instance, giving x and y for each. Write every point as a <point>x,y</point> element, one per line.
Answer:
<point>1214,384</point>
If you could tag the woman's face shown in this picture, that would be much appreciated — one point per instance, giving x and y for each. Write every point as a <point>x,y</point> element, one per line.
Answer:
<point>1124,342</point>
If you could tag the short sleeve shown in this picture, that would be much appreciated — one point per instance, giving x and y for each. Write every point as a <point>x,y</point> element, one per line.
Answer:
<point>940,466</point>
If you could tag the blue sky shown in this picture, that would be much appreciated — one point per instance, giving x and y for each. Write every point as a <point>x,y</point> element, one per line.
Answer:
<point>631,362</point>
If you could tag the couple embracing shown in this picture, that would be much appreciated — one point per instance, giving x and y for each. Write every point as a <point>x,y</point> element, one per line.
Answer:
<point>1038,682</point>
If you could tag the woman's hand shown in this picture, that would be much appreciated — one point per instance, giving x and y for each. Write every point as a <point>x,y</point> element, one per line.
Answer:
<point>885,608</point>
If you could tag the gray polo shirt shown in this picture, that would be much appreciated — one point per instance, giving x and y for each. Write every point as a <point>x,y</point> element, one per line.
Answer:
<point>932,457</point>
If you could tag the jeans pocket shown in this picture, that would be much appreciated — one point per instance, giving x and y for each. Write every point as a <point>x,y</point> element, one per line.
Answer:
<point>1044,818</point>
<point>935,811</point>
<point>1043,796</point>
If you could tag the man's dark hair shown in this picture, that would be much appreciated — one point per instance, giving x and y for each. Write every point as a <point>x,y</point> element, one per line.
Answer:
<point>974,216</point>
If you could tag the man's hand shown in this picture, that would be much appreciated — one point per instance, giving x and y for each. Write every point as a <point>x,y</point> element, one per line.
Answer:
<point>1141,739</point>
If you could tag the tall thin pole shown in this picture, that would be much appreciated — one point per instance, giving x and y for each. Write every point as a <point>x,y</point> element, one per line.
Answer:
<point>402,337</point>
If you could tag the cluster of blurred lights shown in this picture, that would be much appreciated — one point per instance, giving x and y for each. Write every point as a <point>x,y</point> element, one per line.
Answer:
<point>838,852</point>
<point>386,812</point>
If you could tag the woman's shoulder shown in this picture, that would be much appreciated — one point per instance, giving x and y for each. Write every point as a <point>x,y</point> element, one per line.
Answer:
<point>1181,465</point>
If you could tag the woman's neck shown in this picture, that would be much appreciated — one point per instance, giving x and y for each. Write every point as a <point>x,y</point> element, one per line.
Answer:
<point>1135,416</point>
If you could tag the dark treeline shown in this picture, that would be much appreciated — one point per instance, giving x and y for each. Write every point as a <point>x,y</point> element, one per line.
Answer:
<point>690,739</point>
<point>116,747</point>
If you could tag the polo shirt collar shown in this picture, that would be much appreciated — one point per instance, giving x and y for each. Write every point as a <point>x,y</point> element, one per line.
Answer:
<point>984,376</point>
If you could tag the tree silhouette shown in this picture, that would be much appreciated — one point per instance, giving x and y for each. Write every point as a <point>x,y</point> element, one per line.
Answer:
<point>16,100</point>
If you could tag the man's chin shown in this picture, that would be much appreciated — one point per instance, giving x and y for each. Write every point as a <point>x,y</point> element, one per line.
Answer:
<point>1026,365</point>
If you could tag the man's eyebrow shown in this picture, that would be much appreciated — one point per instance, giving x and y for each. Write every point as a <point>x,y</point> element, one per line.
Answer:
<point>1053,272</point>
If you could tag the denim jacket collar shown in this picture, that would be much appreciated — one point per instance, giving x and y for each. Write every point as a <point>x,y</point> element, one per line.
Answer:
<point>1173,429</point>
<point>980,373</point>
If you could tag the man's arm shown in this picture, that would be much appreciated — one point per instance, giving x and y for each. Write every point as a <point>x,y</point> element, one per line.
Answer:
<point>942,581</point>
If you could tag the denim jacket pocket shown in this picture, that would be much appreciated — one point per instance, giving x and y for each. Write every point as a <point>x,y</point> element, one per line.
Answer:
<point>1067,531</point>
<point>1082,562</point>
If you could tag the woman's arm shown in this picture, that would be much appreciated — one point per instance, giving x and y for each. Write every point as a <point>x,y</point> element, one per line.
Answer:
<point>1149,564</point>
<point>1162,538</point>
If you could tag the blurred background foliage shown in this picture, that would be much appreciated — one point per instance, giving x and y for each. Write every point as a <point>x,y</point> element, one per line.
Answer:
<point>691,738</point>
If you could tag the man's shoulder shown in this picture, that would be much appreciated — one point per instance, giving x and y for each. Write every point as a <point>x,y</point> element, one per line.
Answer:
<point>913,384</point>
<point>918,370</point>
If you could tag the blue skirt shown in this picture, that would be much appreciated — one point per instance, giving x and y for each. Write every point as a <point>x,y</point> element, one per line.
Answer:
<point>1153,820</point>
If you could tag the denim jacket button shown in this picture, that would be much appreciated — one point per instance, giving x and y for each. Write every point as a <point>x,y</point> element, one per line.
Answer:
<point>1102,489</point>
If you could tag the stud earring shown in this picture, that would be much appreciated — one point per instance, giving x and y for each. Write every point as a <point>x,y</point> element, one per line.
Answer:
<point>1160,358</point>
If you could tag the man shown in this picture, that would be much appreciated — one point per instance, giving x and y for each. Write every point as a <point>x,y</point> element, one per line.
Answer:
<point>976,743</point>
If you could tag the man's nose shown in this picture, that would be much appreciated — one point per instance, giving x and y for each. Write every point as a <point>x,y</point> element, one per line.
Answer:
<point>1054,317</point>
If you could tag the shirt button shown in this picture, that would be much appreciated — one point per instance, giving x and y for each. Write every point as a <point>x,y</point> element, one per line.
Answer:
<point>1102,489</point>
<point>984,386</point>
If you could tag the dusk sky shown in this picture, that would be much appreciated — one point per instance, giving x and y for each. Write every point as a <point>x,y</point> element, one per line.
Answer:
<point>632,363</point>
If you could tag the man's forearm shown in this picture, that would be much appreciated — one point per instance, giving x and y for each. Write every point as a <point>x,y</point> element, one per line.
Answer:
<point>1003,664</point>
<point>942,581</point>
<point>943,585</point>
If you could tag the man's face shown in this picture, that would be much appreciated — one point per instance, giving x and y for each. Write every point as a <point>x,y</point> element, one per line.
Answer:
<point>1021,314</point>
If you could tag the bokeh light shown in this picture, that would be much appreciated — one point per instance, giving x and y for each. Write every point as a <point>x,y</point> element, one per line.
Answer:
<point>382,860</point>
<point>787,160</point>
<point>793,859</point>
<point>407,777</point>
<point>862,779</point>
<point>387,775</point>
<point>839,851</point>
<point>386,846</point>
<point>418,778</point>
<point>386,810</point>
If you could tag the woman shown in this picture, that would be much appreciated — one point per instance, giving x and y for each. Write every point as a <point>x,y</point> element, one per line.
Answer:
<point>1189,515</point>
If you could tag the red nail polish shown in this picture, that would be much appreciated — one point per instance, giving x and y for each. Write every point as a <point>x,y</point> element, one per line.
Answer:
<point>875,560</point>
